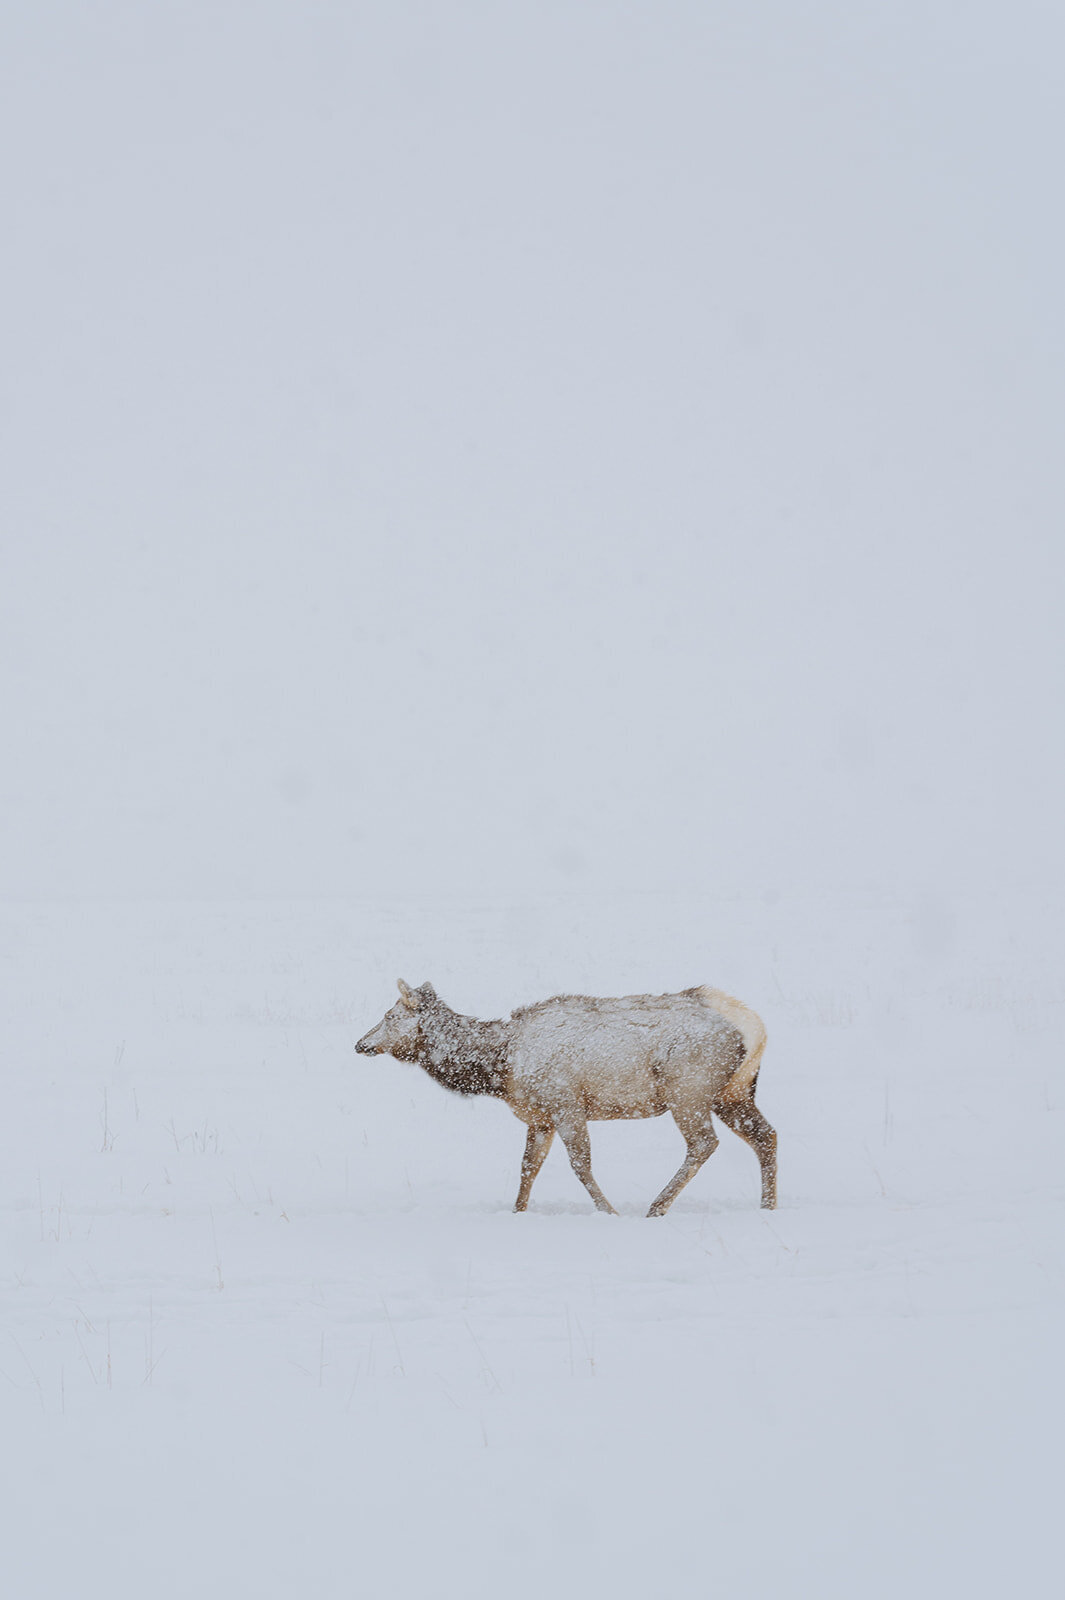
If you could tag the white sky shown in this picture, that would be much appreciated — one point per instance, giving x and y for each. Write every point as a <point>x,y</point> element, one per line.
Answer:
<point>526,447</point>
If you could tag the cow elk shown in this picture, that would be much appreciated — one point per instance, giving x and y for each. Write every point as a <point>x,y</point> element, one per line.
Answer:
<point>573,1060</point>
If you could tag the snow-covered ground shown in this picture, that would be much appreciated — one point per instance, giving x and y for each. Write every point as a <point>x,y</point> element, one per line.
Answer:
<point>271,1328</point>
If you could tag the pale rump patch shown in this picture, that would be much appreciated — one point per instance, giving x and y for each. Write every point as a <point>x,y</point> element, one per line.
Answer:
<point>575,1059</point>
<point>751,1029</point>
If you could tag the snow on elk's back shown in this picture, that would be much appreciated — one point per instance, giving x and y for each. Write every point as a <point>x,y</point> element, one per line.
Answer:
<point>621,1054</point>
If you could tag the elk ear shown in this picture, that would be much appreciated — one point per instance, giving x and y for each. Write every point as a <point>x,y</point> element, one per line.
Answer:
<point>427,991</point>
<point>406,994</point>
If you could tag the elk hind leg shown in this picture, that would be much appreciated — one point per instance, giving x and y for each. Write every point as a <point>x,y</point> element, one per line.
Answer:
<point>574,1136</point>
<point>702,1141</point>
<point>744,1118</point>
<point>537,1145</point>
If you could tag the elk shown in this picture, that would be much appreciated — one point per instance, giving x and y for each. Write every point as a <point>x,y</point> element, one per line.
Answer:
<point>573,1060</point>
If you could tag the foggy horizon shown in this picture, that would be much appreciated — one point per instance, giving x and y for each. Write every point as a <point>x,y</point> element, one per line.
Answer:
<point>449,450</point>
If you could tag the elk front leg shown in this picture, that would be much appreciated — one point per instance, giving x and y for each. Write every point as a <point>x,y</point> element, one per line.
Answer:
<point>537,1145</point>
<point>574,1136</point>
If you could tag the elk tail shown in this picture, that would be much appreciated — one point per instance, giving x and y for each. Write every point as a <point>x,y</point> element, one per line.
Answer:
<point>751,1029</point>
<point>741,1085</point>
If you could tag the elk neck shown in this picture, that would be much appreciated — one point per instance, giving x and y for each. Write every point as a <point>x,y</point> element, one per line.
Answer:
<point>462,1053</point>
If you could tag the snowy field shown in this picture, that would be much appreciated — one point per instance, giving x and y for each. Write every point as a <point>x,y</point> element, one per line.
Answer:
<point>537,498</point>
<point>271,1328</point>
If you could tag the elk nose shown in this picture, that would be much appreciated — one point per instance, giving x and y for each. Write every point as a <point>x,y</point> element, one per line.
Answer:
<point>363,1049</point>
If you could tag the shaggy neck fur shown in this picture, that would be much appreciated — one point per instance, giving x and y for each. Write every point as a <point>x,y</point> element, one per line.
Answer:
<point>461,1053</point>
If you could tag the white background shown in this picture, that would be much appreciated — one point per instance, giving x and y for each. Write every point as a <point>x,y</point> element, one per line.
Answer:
<point>535,497</point>
<point>471,446</point>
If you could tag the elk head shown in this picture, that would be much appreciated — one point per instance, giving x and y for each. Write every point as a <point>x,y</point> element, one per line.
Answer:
<point>399,1031</point>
